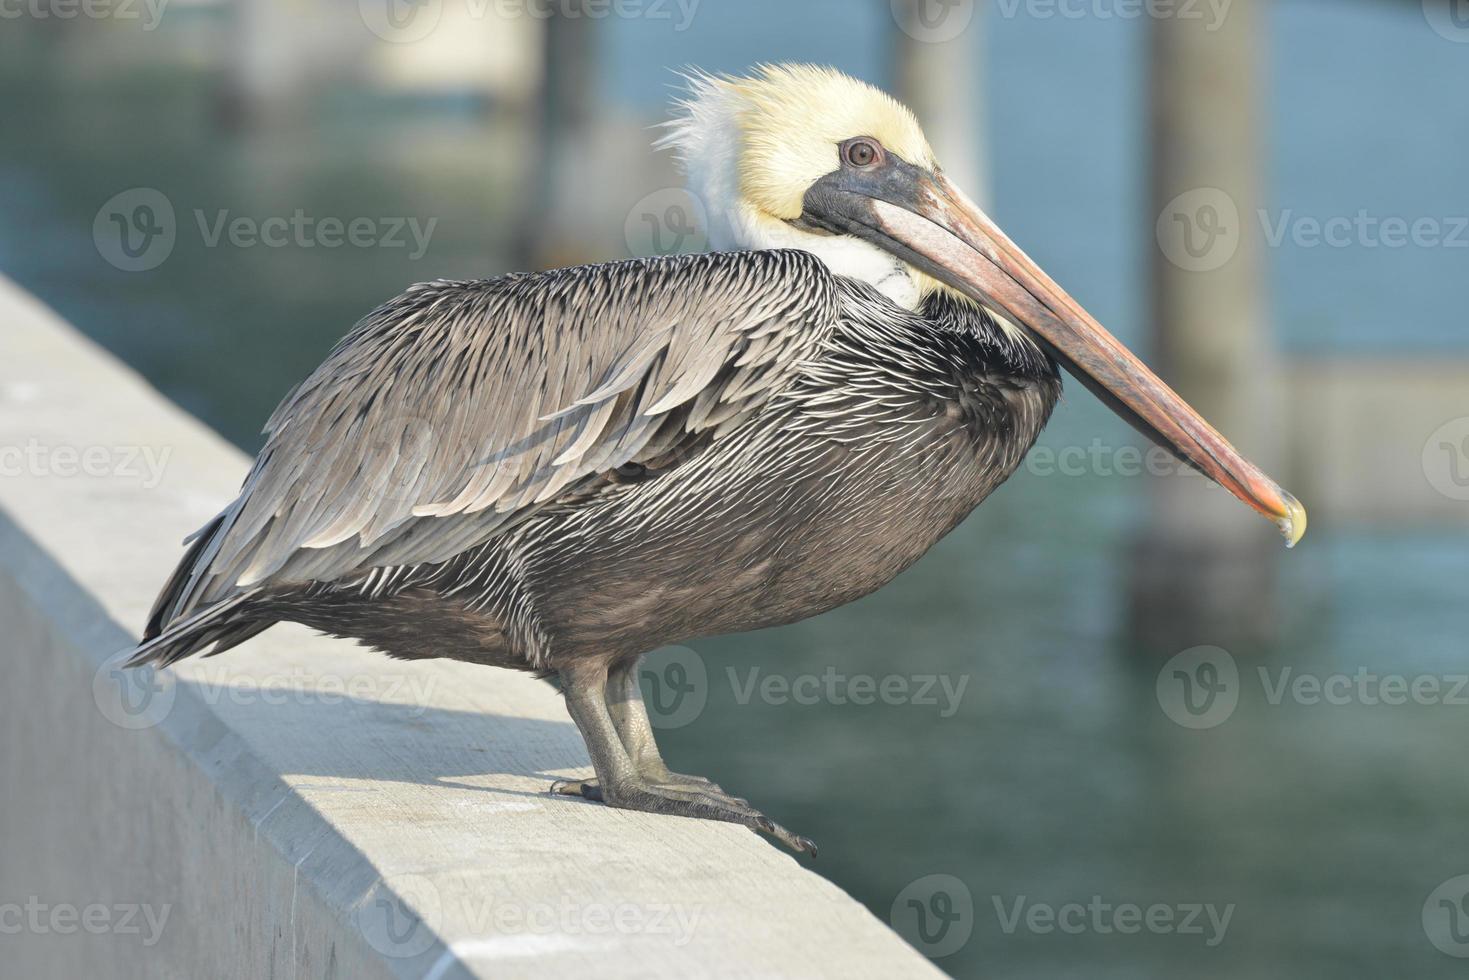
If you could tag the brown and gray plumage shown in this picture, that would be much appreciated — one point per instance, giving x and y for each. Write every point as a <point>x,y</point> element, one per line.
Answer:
<point>560,471</point>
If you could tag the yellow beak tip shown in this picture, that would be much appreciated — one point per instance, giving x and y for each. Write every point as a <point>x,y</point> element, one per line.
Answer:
<point>1293,523</point>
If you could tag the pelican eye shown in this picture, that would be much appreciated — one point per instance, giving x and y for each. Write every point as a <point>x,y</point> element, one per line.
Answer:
<point>861,152</point>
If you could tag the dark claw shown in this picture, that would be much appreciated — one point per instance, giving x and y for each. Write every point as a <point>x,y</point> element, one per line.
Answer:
<point>585,788</point>
<point>801,845</point>
<point>698,803</point>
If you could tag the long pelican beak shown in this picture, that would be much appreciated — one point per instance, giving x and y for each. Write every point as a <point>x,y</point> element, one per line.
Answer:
<point>927,221</point>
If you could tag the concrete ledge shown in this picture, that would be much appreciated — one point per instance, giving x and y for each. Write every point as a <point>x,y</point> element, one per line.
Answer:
<point>301,807</point>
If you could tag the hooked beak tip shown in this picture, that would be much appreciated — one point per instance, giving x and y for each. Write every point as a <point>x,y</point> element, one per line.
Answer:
<point>1292,523</point>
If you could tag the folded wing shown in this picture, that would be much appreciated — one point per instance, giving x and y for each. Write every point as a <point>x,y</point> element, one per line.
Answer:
<point>458,408</point>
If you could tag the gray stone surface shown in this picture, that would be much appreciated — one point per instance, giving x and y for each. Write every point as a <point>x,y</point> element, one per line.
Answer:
<point>301,807</point>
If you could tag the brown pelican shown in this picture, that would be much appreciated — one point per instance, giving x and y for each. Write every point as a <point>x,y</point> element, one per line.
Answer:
<point>559,471</point>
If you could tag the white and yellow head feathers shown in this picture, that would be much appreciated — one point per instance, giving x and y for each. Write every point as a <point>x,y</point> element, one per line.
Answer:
<point>753,146</point>
<point>790,119</point>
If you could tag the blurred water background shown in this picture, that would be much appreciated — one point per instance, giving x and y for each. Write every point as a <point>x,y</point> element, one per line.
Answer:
<point>1058,775</point>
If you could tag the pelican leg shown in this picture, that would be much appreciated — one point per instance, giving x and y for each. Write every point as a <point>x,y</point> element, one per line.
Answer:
<point>630,717</point>
<point>620,784</point>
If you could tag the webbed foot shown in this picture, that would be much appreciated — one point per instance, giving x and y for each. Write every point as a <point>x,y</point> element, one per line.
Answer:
<point>693,796</point>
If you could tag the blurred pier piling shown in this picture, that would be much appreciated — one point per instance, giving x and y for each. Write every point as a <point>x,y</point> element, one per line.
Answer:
<point>1200,574</point>
<point>940,79</point>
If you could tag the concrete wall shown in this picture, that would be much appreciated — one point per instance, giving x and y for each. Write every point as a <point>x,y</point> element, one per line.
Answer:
<point>300,807</point>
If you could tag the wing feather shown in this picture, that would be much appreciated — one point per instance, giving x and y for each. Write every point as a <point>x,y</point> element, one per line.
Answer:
<point>458,408</point>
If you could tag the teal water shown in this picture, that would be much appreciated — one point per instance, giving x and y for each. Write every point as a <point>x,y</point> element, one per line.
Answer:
<point>1052,775</point>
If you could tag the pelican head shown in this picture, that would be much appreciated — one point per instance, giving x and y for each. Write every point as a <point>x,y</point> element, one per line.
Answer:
<point>799,156</point>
